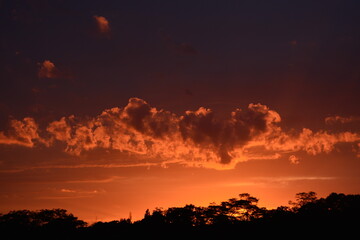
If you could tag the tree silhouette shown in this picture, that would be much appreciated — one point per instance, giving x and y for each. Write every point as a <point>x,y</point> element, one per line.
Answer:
<point>45,219</point>
<point>185,216</point>
<point>307,214</point>
<point>302,199</point>
<point>243,208</point>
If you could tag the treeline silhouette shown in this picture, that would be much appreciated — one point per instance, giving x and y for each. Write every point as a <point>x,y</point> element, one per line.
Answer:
<point>335,214</point>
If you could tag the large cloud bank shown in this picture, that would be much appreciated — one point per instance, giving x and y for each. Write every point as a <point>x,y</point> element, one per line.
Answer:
<point>194,138</point>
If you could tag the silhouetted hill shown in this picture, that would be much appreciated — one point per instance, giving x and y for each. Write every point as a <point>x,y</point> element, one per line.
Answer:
<point>337,214</point>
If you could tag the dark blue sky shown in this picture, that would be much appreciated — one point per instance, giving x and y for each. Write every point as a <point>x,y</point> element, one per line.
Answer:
<point>299,57</point>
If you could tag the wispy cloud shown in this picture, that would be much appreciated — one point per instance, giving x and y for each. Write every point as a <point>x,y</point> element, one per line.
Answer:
<point>80,191</point>
<point>65,190</point>
<point>70,193</point>
<point>295,178</point>
<point>339,119</point>
<point>84,165</point>
<point>102,180</point>
<point>264,181</point>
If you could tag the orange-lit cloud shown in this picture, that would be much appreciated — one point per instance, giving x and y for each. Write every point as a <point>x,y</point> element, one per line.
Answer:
<point>196,138</point>
<point>66,193</point>
<point>67,190</point>
<point>311,142</point>
<point>339,119</point>
<point>294,159</point>
<point>48,70</point>
<point>267,181</point>
<point>102,24</point>
<point>60,130</point>
<point>22,132</point>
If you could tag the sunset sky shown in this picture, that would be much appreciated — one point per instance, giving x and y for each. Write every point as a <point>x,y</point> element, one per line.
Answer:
<point>111,107</point>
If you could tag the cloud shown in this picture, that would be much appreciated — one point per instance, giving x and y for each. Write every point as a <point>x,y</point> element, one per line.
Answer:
<point>48,70</point>
<point>186,49</point>
<point>102,24</point>
<point>81,166</point>
<point>311,142</point>
<point>66,193</point>
<point>60,130</point>
<point>339,119</point>
<point>22,132</point>
<point>287,179</point>
<point>195,138</point>
<point>183,48</point>
<point>65,190</point>
<point>203,130</point>
<point>294,159</point>
<point>264,181</point>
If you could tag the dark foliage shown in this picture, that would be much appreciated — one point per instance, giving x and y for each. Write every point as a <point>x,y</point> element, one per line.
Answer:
<point>335,214</point>
<point>44,222</point>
